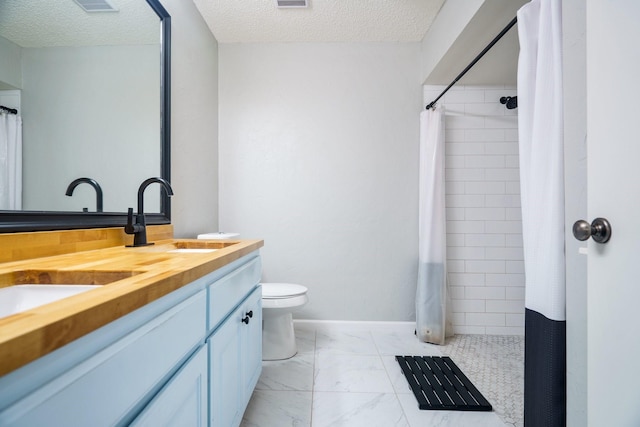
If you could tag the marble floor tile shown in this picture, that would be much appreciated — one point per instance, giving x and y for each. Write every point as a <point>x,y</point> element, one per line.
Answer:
<point>352,373</point>
<point>405,343</point>
<point>302,325</point>
<point>295,373</point>
<point>305,339</point>
<point>397,378</point>
<point>269,408</point>
<point>345,342</point>
<point>422,418</point>
<point>349,376</point>
<point>357,410</point>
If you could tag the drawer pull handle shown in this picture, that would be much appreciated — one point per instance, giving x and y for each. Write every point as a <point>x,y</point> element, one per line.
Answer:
<point>246,320</point>
<point>250,313</point>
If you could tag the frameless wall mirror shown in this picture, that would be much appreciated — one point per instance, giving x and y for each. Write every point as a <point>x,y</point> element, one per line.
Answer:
<point>90,83</point>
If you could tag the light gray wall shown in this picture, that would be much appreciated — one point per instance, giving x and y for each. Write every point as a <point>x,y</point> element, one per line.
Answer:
<point>462,29</point>
<point>85,115</point>
<point>319,157</point>
<point>194,123</point>
<point>10,65</point>
<point>11,99</point>
<point>451,20</point>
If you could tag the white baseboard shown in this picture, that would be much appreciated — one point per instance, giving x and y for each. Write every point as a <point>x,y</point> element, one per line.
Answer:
<point>404,327</point>
<point>353,325</point>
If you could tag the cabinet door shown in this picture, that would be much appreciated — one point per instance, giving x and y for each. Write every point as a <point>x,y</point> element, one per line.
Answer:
<point>105,388</point>
<point>225,392</point>
<point>251,352</point>
<point>183,401</point>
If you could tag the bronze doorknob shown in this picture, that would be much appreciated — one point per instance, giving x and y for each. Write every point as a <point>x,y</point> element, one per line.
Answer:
<point>599,229</point>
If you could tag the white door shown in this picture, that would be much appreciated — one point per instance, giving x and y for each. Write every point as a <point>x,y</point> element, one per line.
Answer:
<point>575,166</point>
<point>613,169</point>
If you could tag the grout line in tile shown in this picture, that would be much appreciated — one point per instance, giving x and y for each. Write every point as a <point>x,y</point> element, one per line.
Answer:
<point>313,378</point>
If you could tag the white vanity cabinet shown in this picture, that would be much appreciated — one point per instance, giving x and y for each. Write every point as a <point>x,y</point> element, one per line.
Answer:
<point>235,348</point>
<point>252,346</point>
<point>183,401</point>
<point>235,362</point>
<point>160,365</point>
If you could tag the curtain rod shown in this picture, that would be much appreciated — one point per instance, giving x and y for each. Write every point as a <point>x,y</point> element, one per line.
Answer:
<point>477,58</point>
<point>8,110</point>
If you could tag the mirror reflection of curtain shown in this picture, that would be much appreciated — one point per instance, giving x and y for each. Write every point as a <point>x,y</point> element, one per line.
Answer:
<point>10,161</point>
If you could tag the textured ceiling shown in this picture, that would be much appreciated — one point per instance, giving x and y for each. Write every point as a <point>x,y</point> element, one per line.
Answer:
<point>41,23</point>
<point>260,21</point>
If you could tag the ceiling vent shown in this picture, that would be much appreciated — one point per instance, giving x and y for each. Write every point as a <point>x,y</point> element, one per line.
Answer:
<point>96,6</point>
<point>292,3</point>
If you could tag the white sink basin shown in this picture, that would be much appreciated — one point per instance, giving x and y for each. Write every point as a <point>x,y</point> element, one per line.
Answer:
<point>14,299</point>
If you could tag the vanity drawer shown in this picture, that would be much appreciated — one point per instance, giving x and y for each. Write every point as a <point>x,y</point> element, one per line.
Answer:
<point>226,293</point>
<point>107,387</point>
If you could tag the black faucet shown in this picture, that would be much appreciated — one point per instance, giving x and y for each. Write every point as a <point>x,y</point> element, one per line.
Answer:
<point>91,182</point>
<point>139,229</point>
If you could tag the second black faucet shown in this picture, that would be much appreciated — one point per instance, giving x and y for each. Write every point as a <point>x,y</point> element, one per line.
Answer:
<point>139,229</point>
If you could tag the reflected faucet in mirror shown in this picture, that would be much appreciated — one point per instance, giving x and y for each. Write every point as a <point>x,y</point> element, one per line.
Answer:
<point>91,182</point>
<point>139,229</point>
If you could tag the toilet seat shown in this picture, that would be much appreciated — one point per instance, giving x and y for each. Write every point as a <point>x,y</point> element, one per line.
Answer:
<point>282,290</point>
<point>285,302</point>
<point>283,295</point>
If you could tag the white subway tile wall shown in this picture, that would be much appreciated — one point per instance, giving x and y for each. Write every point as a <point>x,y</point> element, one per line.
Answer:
<point>484,221</point>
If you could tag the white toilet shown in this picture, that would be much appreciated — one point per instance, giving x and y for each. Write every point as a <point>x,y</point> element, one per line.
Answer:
<point>279,300</point>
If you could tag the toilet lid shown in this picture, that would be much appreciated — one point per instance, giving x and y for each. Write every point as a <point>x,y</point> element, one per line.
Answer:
<point>282,290</point>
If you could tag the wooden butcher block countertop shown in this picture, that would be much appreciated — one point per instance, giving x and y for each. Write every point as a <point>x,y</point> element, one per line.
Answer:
<point>132,278</point>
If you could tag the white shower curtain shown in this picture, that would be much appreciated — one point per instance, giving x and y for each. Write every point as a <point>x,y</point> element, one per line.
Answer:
<point>10,161</point>
<point>431,294</point>
<point>540,122</point>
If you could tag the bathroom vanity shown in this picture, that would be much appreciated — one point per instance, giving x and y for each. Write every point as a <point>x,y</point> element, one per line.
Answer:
<point>172,337</point>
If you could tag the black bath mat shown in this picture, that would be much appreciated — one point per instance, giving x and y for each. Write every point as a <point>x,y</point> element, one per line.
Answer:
<point>439,384</point>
